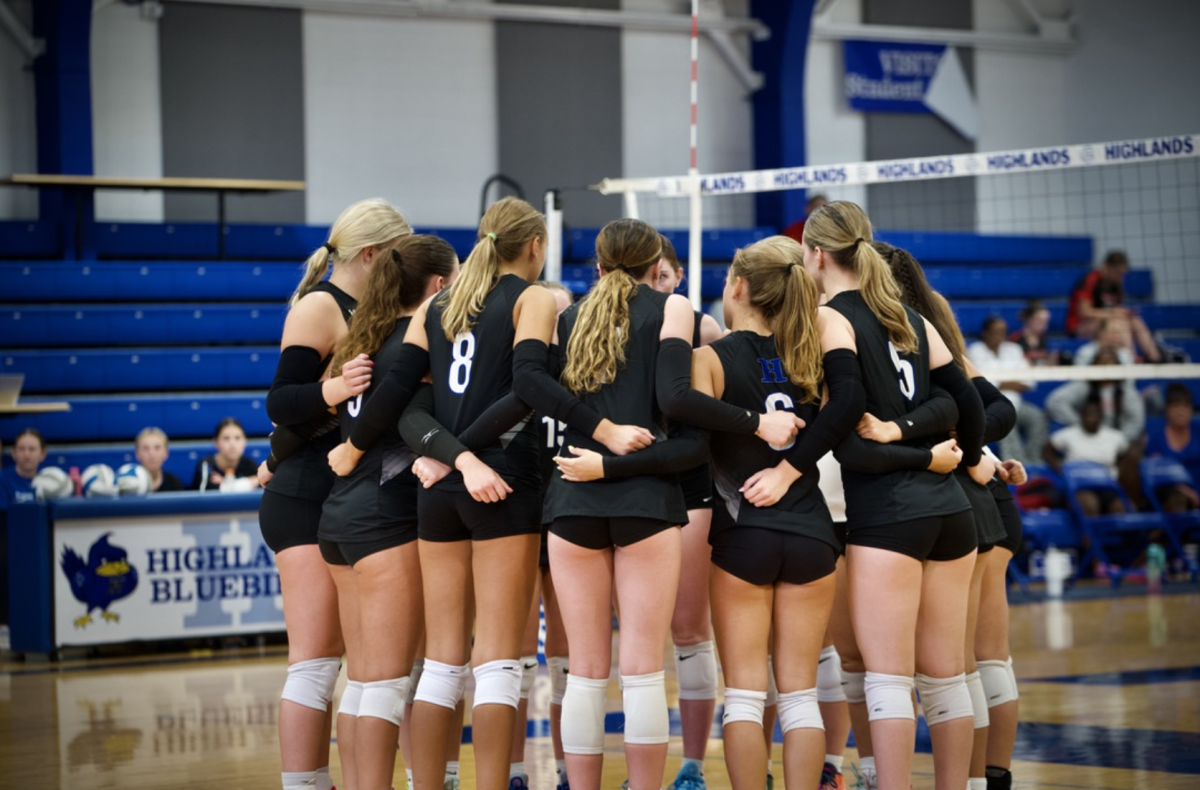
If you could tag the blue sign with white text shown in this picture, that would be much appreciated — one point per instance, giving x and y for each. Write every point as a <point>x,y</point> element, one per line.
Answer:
<point>890,77</point>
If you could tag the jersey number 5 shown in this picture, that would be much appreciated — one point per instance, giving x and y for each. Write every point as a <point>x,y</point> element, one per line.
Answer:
<point>460,369</point>
<point>904,372</point>
<point>780,401</point>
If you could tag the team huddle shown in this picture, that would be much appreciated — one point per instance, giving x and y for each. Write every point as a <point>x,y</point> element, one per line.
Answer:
<point>807,494</point>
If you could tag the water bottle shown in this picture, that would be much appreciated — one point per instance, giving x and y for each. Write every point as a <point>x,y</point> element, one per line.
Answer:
<point>1156,562</point>
<point>1057,570</point>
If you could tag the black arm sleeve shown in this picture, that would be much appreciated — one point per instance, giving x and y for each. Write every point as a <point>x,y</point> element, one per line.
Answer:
<point>295,394</point>
<point>383,409</point>
<point>862,455</point>
<point>999,413</point>
<point>677,399</point>
<point>533,384</point>
<point>686,449</point>
<point>970,410</point>
<point>495,421</point>
<point>837,418</point>
<point>935,417</point>
<point>421,431</point>
<point>286,440</point>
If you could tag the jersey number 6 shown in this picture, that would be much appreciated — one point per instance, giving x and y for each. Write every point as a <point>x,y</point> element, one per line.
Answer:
<point>780,401</point>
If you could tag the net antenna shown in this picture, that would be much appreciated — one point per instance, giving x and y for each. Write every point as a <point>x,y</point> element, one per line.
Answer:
<point>695,259</point>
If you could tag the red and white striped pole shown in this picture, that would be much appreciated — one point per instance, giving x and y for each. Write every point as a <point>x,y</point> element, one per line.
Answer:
<point>694,215</point>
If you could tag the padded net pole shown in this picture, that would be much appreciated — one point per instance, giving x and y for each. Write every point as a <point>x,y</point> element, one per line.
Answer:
<point>554,232</point>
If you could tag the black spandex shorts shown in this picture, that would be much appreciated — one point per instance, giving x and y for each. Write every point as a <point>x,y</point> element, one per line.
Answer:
<point>766,556</point>
<point>349,553</point>
<point>937,538</point>
<point>448,516</point>
<point>288,521</point>
<point>544,549</point>
<point>697,487</point>
<point>602,532</point>
<point>1011,517</point>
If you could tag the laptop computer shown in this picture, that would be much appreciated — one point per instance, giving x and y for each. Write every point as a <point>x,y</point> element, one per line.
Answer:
<point>10,388</point>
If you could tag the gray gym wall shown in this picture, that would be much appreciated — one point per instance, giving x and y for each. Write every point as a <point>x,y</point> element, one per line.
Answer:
<point>945,204</point>
<point>233,109</point>
<point>559,105</point>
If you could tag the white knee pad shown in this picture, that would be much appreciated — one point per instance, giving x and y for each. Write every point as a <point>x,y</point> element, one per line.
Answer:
<point>583,715</point>
<point>310,683</point>
<point>560,668</point>
<point>743,705</point>
<point>999,684</point>
<point>529,665</point>
<point>384,699</point>
<point>418,668</point>
<point>944,699</point>
<point>978,700</point>
<point>350,698</point>
<point>442,684</point>
<point>888,696</point>
<point>772,689</point>
<point>696,666</point>
<point>799,710</point>
<point>829,677</point>
<point>646,720</point>
<point>853,686</point>
<point>498,683</point>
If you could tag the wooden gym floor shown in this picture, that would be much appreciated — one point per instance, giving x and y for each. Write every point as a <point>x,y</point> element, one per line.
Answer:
<point>1110,699</point>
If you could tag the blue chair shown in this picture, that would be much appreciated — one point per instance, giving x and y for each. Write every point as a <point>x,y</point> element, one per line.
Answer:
<point>1104,531</point>
<point>1157,473</point>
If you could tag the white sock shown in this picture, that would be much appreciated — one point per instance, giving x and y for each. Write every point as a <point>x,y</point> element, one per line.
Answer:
<point>299,780</point>
<point>768,762</point>
<point>561,767</point>
<point>699,764</point>
<point>516,769</point>
<point>408,778</point>
<point>867,765</point>
<point>452,769</point>
<point>835,760</point>
<point>977,784</point>
<point>324,779</point>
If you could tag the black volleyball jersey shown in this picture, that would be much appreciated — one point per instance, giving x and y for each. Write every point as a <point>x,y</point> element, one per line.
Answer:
<point>755,380</point>
<point>473,371</point>
<point>382,484</point>
<point>550,439</point>
<point>895,382</point>
<point>306,473</point>
<point>627,400</point>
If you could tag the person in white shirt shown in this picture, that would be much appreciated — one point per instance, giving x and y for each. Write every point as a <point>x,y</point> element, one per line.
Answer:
<point>993,353</point>
<point>1090,440</point>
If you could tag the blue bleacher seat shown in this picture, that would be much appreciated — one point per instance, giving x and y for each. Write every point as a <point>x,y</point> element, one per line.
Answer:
<point>145,369</point>
<point>108,281</point>
<point>1158,473</point>
<point>49,326</point>
<point>29,239</point>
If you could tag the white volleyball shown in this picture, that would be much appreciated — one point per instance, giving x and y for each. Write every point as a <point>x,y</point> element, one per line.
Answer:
<point>133,480</point>
<point>52,483</point>
<point>99,480</point>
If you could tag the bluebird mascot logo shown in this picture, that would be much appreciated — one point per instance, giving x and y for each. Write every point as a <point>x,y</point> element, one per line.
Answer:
<point>106,577</point>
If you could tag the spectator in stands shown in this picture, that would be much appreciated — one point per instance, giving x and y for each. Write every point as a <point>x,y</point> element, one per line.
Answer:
<point>1090,440</point>
<point>994,353</point>
<point>228,469</point>
<point>152,450</point>
<point>1177,440</point>
<point>1121,405</point>
<point>1100,295</point>
<point>28,452</point>
<point>1115,332</point>
<point>796,229</point>
<point>1031,337</point>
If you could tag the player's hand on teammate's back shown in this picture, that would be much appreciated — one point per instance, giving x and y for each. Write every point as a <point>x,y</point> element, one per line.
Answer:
<point>876,430</point>
<point>429,470</point>
<point>778,427</point>
<point>482,482</point>
<point>1013,472</point>
<point>343,458</point>
<point>264,474</point>
<point>766,487</point>
<point>622,439</point>
<point>355,378</point>
<point>946,457</point>
<point>581,466</point>
<point>984,471</point>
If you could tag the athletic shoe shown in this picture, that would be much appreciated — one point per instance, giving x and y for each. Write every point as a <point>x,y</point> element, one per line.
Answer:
<point>863,781</point>
<point>688,778</point>
<point>831,778</point>
<point>564,784</point>
<point>519,782</point>
<point>770,782</point>
<point>450,784</point>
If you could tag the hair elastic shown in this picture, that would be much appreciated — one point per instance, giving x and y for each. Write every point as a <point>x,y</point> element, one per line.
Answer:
<point>329,248</point>
<point>492,236</point>
<point>859,240</point>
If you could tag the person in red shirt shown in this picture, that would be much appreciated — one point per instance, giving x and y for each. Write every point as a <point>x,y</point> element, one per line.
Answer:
<point>796,229</point>
<point>1101,295</point>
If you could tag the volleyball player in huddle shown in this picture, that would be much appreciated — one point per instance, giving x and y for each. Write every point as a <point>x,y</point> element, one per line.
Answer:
<point>301,396</point>
<point>478,340</point>
<point>691,623</point>
<point>368,529</point>
<point>774,545</point>
<point>911,539</point>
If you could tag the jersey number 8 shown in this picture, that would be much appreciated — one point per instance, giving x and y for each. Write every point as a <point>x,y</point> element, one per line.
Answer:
<point>460,369</point>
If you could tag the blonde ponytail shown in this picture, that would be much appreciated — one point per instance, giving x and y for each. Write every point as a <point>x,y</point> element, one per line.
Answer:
<point>787,297</point>
<point>625,251</point>
<point>509,224</point>
<point>842,230</point>
<point>368,223</point>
